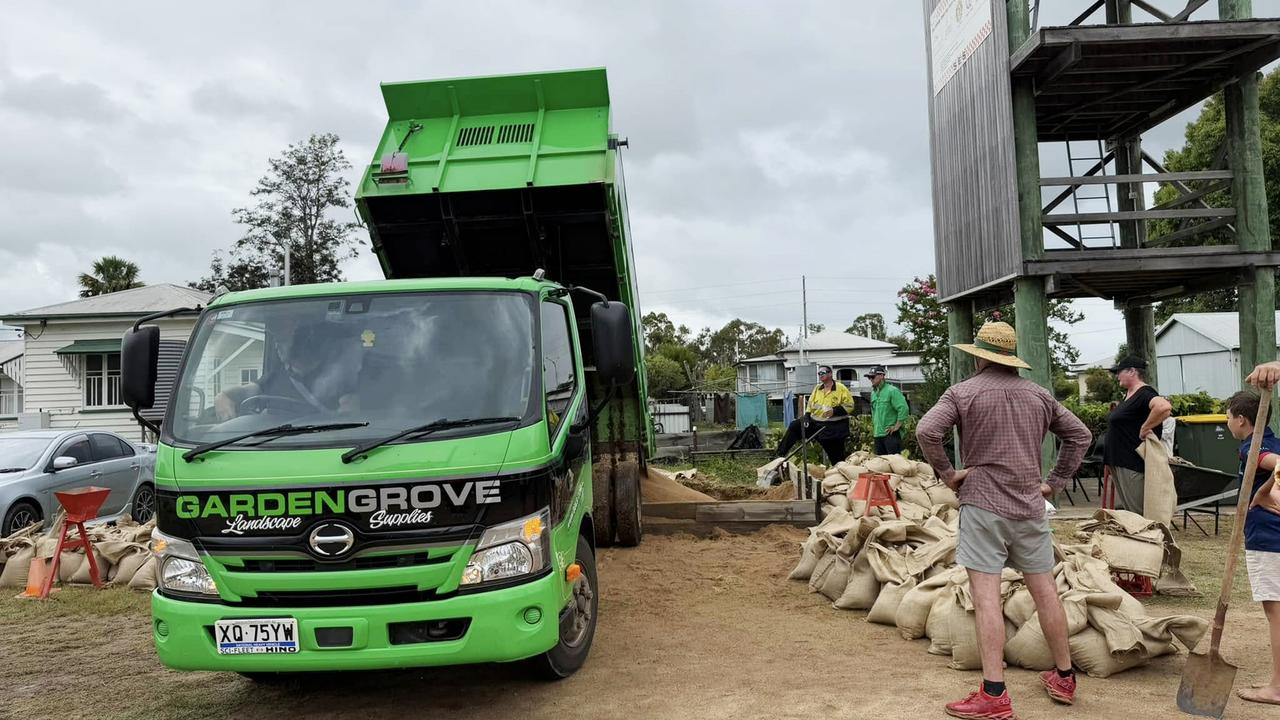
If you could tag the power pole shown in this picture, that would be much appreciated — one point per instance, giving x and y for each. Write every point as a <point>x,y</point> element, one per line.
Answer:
<point>286,264</point>
<point>804,311</point>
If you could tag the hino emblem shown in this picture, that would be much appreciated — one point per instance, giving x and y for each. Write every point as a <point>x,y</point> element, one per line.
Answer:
<point>331,539</point>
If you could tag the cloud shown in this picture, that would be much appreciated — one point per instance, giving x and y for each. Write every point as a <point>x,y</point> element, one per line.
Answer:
<point>768,141</point>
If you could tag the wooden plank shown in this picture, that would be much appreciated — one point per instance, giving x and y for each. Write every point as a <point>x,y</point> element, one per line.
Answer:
<point>1059,65</point>
<point>1108,255</point>
<point>1153,264</point>
<point>1189,175</point>
<point>1190,232</point>
<point>675,510</point>
<point>755,511</point>
<point>1109,217</point>
<point>1159,14</point>
<point>1193,196</point>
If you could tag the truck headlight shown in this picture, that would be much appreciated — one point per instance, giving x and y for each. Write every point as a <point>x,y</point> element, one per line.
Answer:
<point>511,550</point>
<point>180,568</point>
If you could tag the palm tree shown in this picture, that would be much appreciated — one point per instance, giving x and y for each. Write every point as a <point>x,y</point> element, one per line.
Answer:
<point>110,274</point>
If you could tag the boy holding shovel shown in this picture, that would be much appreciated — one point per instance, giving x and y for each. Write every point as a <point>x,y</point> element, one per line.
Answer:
<point>1262,524</point>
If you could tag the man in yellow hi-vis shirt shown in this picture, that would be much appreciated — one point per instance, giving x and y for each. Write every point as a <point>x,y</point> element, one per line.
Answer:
<point>827,422</point>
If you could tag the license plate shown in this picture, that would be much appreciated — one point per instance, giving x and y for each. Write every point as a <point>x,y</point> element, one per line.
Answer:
<point>247,637</point>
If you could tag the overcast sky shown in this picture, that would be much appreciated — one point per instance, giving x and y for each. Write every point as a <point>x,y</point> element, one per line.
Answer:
<point>767,142</point>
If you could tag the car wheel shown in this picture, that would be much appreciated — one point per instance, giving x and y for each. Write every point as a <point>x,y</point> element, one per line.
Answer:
<point>19,516</point>
<point>143,505</point>
<point>579,626</point>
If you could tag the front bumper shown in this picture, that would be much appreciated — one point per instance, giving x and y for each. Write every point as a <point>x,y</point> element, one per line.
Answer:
<point>498,632</point>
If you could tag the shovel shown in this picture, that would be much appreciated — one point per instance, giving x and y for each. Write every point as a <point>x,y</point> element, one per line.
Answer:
<point>1207,679</point>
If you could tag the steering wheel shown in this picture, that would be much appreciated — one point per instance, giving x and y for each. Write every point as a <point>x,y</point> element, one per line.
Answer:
<point>258,403</point>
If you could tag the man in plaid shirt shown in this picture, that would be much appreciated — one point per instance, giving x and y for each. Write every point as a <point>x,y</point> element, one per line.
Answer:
<point>1002,420</point>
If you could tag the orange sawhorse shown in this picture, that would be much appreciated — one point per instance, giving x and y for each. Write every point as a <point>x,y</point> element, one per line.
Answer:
<point>874,489</point>
<point>82,505</point>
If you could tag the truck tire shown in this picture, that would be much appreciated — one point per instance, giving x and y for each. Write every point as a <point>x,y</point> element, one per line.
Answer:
<point>579,627</point>
<point>626,503</point>
<point>602,502</point>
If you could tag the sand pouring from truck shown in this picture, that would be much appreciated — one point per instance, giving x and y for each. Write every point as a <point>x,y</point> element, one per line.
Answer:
<point>417,471</point>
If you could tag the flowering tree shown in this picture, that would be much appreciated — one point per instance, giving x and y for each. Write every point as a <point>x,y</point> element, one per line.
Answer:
<point>924,322</point>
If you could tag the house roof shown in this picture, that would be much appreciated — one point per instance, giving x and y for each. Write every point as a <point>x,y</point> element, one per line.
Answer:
<point>836,340</point>
<point>1222,328</point>
<point>125,303</point>
<point>762,358</point>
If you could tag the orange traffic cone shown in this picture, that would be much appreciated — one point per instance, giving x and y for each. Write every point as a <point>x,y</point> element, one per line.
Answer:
<point>36,577</point>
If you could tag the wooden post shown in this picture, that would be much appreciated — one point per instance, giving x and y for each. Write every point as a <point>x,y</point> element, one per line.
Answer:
<point>960,330</point>
<point>1248,189</point>
<point>1139,322</point>
<point>1029,301</point>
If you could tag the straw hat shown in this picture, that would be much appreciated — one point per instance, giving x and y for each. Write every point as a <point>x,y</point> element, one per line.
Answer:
<point>997,342</point>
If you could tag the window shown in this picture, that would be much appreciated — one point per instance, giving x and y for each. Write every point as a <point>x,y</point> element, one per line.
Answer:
<point>764,372</point>
<point>846,375</point>
<point>78,449</point>
<point>102,380</point>
<point>248,375</point>
<point>105,447</point>
<point>557,362</point>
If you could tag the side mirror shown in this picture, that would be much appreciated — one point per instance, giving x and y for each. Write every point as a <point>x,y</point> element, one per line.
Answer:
<point>139,360</point>
<point>62,462</point>
<point>611,331</point>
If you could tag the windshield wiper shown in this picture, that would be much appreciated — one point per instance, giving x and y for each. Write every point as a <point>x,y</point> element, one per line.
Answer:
<point>434,426</point>
<point>11,470</point>
<point>271,432</point>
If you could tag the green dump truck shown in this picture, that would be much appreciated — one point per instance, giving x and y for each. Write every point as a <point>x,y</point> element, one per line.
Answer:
<point>416,471</point>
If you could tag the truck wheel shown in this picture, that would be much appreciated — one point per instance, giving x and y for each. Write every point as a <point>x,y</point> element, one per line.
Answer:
<point>626,506</point>
<point>579,625</point>
<point>602,502</point>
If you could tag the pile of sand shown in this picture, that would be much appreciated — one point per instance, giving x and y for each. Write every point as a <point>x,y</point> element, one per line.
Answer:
<point>661,486</point>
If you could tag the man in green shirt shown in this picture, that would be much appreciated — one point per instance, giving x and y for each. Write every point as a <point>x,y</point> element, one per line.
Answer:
<point>888,413</point>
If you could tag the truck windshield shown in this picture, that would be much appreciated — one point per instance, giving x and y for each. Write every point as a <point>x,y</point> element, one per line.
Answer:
<point>388,360</point>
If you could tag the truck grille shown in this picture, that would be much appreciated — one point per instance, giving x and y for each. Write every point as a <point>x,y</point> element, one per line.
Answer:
<point>255,565</point>
<point>338,598</point>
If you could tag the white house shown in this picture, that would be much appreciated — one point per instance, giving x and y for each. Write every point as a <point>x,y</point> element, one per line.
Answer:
<point>1200,351</point>
<point>850,357</point>
<point>70,374</point>
<point>10,380</point>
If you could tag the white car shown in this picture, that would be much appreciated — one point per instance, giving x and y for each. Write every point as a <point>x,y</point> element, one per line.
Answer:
<point>36,463</point>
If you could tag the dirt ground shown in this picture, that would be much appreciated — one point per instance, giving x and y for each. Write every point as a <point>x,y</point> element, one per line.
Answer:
<point>689,628</point>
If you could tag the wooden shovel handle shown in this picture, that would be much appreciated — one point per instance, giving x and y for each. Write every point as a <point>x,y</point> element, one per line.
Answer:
<point>1237,528</point>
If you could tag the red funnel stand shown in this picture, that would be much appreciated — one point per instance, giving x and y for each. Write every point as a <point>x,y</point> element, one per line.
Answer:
<point>81,504</point>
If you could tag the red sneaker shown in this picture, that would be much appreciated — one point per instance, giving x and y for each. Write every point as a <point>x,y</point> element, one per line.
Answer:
<point>1060,689</point>
<point>981,706</point>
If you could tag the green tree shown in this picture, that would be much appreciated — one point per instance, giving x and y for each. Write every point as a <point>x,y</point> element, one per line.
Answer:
<point>869,325</point>
<point>232,275</point>
<point>109,274</point>
<point>1101,386</point>
<point>1204,140</point>
<point>900,341</point>
<point>665,376</point>
<point>660,330</point>
<point>293,212</point>
<point>924,322</point>
<point>737,340</point>
<point>720,378</point>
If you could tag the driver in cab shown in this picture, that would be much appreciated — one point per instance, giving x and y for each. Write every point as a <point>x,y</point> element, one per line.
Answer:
<point>305,378</point>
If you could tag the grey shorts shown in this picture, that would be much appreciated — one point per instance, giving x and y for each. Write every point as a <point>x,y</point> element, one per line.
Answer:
<point>989,543</point>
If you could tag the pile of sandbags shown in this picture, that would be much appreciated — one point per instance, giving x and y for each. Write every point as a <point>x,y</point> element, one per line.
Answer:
<point>902,571</point>
<point>919,492</point>
<point>1131,543</point>
<point>120,550</point>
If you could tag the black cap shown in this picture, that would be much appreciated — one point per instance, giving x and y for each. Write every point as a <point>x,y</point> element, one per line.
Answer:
<point>1131,361</point>
<point>877,370</point>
